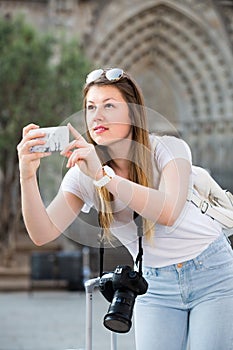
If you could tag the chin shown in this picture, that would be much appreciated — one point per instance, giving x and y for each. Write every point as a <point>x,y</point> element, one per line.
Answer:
<point>100,141</point>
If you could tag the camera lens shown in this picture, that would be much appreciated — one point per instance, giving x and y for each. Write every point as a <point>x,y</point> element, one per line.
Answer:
<point>118,318</point>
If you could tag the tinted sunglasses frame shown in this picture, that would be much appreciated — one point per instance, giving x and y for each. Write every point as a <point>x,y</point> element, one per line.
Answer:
<point>112,74</point>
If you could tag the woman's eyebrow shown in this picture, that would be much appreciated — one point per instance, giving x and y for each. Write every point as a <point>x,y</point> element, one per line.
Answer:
<point>107,99</point>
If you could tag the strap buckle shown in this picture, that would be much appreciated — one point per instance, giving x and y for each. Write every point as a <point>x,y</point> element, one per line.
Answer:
<point>204,207</point>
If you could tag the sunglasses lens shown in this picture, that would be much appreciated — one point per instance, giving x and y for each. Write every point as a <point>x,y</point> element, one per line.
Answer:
<point>94,75</point>
<point>114,74</point>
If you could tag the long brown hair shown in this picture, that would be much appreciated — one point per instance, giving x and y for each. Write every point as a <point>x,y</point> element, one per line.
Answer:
<point>140,169</point>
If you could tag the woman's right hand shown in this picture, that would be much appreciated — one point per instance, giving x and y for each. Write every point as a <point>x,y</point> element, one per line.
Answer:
<point>30,161</point>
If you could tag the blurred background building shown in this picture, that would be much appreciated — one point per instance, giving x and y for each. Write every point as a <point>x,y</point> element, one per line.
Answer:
<point>179,51</point>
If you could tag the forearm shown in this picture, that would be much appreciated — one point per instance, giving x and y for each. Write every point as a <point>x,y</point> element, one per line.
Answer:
<point>149,203</point>
<point>162,205</point>
<point>39,226</point>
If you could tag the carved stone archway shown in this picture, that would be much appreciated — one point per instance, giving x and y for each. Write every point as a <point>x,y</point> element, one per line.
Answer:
<point>179,59</point>
<point>180,52</point>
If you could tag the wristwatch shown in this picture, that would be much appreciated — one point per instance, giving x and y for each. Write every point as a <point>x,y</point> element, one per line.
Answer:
<point>108,175</point>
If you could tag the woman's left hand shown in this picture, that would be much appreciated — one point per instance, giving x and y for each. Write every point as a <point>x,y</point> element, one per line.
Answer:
<point>83,154</point>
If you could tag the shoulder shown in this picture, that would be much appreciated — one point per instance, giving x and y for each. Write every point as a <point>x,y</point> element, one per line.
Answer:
<point>167,141</point>
<point>168,147</point>
<point>76,181</point>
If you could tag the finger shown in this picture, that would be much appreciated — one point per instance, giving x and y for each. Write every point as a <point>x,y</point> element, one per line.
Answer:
<point>35,136</point>
<point>35,142</point>
<point>24,143</point>
<point>25,147</point>
<point>68,150</point>
<point>29,127</point>
<point>35,156</point>
<point>76,134</point>
<point>20,145</point>
<point>75,144</point>
<point>74,157</point>
<point>38,155</point>
<point>66,154</point>
<point>77,156</point>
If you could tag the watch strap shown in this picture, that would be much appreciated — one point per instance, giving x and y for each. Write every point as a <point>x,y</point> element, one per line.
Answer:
<point>108,175</point>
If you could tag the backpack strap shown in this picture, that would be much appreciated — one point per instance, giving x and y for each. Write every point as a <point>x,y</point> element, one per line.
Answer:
<point>222,215</point>
<point>208,196</point>
<point>212,200</point>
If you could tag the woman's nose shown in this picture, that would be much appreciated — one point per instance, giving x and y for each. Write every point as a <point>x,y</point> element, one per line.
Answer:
<point>99,113</point>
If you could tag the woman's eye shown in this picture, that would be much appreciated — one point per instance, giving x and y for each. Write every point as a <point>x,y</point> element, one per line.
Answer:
<point>90,107</point>
<point>109,105</point>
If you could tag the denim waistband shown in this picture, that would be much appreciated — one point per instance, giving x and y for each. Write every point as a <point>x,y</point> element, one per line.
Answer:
<point>221,242</point>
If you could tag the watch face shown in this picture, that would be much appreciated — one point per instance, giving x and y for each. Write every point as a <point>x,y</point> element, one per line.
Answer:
<point>108,175</point>
<point>102,182</point>
<point>109,171</point>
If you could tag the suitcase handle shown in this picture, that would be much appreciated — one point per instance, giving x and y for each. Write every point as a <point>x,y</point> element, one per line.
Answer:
<point>90,285</point>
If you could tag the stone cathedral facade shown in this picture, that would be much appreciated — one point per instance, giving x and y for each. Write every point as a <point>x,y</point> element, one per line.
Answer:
<point>179,51</point>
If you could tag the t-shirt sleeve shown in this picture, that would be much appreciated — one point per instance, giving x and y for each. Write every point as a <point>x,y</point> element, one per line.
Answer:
<point>80,185</point>
<point>71,182</point>
<point>169,148</point>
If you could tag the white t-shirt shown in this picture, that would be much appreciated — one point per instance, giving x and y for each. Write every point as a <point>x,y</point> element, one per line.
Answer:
<point>187,238</point>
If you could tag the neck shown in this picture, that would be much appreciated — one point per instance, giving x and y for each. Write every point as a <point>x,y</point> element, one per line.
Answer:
<point>120,157</point>
<point>121,167</point>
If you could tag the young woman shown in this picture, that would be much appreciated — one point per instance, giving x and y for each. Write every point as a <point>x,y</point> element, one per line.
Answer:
<point>121,169</point>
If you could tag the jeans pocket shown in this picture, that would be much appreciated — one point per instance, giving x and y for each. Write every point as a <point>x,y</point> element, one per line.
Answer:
<point>148,274</point>
<point>219,259</point>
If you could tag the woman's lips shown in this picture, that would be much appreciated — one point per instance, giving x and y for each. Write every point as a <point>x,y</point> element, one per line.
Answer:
<point>100,129</point>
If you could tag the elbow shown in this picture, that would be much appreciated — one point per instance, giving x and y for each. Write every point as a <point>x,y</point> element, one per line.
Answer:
<point>170,222</point>
<point>168,217</point>
<point>38,243</point>
<point>40,239</point>
<point>167,221</point>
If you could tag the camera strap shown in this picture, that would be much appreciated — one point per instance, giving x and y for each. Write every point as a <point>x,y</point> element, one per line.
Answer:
<point>101,253</point>
<point>138,221</point>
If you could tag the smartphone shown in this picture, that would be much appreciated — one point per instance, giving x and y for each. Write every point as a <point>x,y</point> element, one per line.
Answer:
<point>57,138</point>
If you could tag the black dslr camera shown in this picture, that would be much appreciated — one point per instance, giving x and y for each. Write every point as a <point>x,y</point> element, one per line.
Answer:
<point>121,288</point>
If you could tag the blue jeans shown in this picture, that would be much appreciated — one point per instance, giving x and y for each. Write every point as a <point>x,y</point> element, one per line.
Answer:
<point>188,303</point>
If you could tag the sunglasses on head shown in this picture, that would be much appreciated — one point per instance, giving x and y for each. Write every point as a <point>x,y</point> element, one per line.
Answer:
<point>112,74</point>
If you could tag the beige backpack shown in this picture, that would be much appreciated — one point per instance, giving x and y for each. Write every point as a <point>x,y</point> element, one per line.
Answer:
<point>211,198</point>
